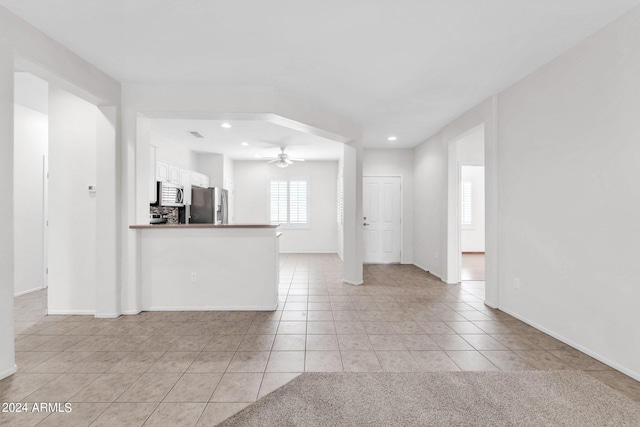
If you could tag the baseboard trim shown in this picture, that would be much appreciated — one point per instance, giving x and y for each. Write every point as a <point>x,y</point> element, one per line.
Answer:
<point>309,252</point>
<point>215,308</point>
<point>8,372</point>
<point>17,294</point>
<point>349,282</point>
<point>490,304</point>
<point>421,267</point>
<point>473,253</point>
<point>599,357</point>
<point>106,315</point>
<point>131,312</point>
<point>71,312</point>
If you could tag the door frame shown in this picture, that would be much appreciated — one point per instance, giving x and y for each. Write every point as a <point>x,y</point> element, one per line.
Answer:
<point>45,221</point>
<point>401,211</point>
<point>452,229</point>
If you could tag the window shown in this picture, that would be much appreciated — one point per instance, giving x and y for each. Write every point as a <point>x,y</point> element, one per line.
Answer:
<point>288,199</point>
<point>466,204</point>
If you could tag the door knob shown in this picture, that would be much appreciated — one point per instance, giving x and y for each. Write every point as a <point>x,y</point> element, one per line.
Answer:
<point>365,224</point>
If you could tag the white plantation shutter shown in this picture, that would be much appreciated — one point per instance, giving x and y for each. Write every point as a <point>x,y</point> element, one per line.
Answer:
<point>278,197</point>
<point>297,202</point>
<point>466,211</point>
<point>288,202</point>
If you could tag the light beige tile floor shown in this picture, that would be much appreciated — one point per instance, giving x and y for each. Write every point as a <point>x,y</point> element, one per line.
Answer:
<point>198,368</point>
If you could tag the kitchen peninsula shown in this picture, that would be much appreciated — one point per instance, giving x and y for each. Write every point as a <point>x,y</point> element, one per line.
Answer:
<point>208,267</point>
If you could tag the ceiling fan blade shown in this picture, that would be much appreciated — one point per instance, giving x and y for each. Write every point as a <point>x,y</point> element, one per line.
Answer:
<point>297,160</point>
<point>274,160</point>
<point>287,161</point>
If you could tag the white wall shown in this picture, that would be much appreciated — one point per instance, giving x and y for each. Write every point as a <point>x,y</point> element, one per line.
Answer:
<point>252,202</point>
<point>31,131</point>
<point>212,165</point>
<point>472,237</point>
<point>72,209</point>
<point>7,338</point>
<point>569,149</point>
<point>429,174</point>
<point>396,163</point>
<point>173,153</point>
<point>228,170</point>
<point>564,143</point>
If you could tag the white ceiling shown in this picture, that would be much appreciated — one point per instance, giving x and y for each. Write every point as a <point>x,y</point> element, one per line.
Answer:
<point>398,67</point>
<point>264,139</point>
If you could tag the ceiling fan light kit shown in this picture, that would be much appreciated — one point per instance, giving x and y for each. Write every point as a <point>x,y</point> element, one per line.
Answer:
<point>283,160</point>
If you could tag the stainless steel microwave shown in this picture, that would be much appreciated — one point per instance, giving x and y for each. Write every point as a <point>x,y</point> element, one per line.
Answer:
<point>170,194</point>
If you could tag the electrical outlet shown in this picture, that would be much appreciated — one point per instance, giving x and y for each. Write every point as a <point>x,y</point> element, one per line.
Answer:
<point>516,282</point>
<point>194,278</point>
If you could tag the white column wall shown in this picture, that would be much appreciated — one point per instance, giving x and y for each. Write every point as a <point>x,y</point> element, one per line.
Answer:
<point>108,294</point>
<point>7,343</point>
<point>352,243</point>
<point>72,208</point>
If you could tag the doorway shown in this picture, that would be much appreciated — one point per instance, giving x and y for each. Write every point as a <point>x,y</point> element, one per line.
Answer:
<point>382,213</point>
<point>472,219</point>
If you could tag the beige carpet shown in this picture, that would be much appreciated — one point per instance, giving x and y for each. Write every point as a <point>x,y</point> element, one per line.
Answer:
<point>523,398</point>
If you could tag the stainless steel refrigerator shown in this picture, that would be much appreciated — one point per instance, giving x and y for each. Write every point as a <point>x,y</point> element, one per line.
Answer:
<point>209,206</point>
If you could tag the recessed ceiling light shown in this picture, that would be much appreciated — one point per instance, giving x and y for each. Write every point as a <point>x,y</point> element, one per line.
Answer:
<point>392,138</point>
<point>226,125</point>
<point>244,143</point>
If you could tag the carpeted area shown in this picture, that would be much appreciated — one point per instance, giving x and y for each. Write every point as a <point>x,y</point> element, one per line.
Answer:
<point>522,398</point>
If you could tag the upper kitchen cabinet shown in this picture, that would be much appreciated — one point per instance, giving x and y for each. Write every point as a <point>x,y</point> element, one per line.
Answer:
<point>162,171</point>
<point>167,173</point>
<point>199,180</point>
<point>174,175</point>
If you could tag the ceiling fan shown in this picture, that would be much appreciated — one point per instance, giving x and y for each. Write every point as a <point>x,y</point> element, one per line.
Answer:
<point>283,160</point>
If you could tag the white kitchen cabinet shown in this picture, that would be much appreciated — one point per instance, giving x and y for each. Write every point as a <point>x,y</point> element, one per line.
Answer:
<point>174,174</point>
<point>185,181</point>
<point>199,180</point>
<point>153,187</point>
<point>195,179</point>
<point>162,171</point>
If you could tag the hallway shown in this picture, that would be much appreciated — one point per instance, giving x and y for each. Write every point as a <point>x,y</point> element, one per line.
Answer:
<point>158,368</point>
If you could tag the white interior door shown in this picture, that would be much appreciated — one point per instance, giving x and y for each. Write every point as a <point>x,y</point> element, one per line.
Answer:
<point>382,219</point>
